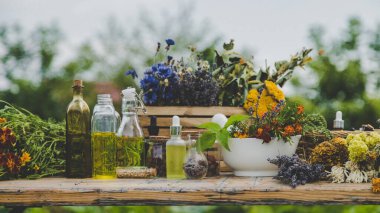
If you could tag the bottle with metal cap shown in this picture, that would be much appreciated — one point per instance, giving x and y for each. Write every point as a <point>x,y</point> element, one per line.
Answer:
<point>103,140</point>
<point>338,122</point>
<point>130,146</point>
<point>175,152</point>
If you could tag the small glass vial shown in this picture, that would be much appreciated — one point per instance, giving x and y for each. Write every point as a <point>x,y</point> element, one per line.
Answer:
<point>135,172</point>
<point>195,166</point>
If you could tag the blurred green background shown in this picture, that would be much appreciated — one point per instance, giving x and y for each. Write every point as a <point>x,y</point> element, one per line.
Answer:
<point>339,77</point>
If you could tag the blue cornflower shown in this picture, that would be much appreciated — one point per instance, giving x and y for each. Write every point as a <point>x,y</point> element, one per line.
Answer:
<point>150,85</point>
<point>163,71</point>
<point>132,73</point>
<point>170,42</point>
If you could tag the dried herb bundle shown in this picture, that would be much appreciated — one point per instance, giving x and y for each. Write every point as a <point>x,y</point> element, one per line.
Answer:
<point>295,171</point>
<point>43,140</point>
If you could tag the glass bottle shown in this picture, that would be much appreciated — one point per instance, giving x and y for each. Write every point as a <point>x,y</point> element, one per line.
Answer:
<point>103,125</point>
<point>78,135</point>
<point>155,149</point>
<point>130,144</point>
<point>107,98</point>
<point>195,166</point>
<point>175,152</point>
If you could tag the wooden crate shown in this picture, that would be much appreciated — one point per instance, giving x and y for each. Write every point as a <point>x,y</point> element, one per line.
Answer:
<point>191,117</point>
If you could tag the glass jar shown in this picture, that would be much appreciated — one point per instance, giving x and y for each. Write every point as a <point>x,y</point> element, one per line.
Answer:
<point>103,140</point>
<point>213,157</point>
<point>195,166</point>
<point>156,154</point>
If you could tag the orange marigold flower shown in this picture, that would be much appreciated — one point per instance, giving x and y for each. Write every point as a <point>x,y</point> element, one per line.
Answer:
<point>300,109</point>
<point>289,130</point>
<point>375,184</point>
<point>298,128</point>
<point>260,132</point>
<point>3,120</point>
<point>25,158</point>
<point>12,163</point>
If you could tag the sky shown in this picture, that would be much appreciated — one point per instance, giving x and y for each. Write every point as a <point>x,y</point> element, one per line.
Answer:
<point>273,29</point>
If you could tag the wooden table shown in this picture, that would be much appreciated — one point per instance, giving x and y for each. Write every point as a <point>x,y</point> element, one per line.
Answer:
<point>210,191</point>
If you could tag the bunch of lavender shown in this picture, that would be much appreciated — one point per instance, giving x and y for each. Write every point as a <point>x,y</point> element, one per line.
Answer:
<point>295,171</point>
<point>198,88</point>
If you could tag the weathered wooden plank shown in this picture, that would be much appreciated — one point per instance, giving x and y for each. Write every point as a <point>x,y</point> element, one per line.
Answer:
<point>210,191</point>
<point>167,121</point>
<point>193,111</point>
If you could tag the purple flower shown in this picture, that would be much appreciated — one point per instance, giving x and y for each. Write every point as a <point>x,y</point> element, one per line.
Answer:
<point>132,73</point>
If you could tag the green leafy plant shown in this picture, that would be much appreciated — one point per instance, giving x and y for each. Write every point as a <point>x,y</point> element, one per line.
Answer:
<point>236,74</point>
<point>216,132</point>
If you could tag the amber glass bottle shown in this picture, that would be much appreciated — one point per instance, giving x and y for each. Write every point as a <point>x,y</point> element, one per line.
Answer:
<point>78,136</point>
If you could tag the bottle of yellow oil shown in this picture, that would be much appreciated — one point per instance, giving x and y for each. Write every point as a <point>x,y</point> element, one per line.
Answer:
<point>175,152</point>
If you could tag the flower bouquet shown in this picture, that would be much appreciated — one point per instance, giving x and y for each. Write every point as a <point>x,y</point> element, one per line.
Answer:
<point>193,82</point>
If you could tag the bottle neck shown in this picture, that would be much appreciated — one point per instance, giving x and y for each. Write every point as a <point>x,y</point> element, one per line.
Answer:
<point>77,93</point>
<point>129,107</point>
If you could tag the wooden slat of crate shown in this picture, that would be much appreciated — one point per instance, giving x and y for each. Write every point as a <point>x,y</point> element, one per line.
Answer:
<point>191,117</point>
<point>193,111</point>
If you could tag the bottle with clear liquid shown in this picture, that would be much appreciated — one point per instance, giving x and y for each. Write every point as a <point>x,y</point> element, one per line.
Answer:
<point>108,99</point>
<point>175,152</point>
<point>78,135</point>
<point>103,135</point>
<point>130,146</point>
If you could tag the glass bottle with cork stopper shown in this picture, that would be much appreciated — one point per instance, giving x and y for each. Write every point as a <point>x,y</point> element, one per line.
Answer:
<point>78,135</point>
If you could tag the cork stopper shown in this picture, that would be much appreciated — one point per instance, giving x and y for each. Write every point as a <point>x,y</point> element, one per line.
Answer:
<point>78,83</point>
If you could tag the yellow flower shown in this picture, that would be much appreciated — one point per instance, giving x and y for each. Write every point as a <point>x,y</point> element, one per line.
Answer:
<point>251,100</point>
<point>240,135</point>
<point>274,91</point>
<point>36,167</point>
<point>25,158</point>
<point>3,120</point>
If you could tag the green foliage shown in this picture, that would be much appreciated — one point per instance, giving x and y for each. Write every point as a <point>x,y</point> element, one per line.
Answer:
<point>216,132</point>
<point>343,83</point>
<point>236,74</point>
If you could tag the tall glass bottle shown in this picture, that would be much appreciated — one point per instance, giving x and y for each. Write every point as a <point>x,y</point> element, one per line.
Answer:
<point>103,125</point>
<point>130,138</point>
<point>78,135</point>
